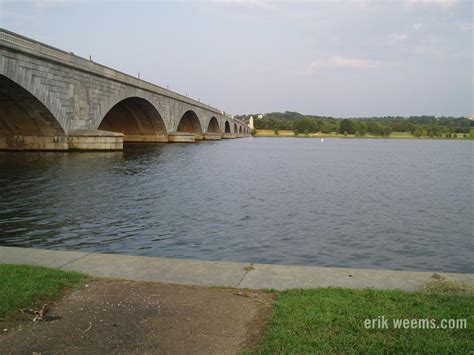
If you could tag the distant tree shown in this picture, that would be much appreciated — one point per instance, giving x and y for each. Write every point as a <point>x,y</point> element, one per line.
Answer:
<point>361,127</point>
<point>431,125</point>
<point>326,127</point>
<point>387,130</point>
<point>306,124</point>
<point>375,128</point>
<point>417,132</point>
<point>277,133</point>
<point>296,132</point>
<point>347,125</point>
<point>345,133</point>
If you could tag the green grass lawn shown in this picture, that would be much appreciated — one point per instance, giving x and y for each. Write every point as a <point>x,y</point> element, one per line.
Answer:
<point>24,286</point>
<point>333,321</point>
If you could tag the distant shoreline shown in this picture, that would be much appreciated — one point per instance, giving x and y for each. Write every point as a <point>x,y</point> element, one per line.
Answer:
<point>394,135</point>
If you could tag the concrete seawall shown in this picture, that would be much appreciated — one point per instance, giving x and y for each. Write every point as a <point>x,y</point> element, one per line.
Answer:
<point>220,273</point>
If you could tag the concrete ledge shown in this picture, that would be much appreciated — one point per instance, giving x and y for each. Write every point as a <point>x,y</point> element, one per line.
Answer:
<point>41,257</point>
<point>176,271</point>
<point>228,136</point>
<point>218,273</point>
<point>282,276</point>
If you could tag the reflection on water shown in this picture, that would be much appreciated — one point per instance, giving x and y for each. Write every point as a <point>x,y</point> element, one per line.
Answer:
<point>398,204</point>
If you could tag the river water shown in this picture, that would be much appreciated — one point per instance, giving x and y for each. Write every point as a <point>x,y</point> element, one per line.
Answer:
<point>382,204</point>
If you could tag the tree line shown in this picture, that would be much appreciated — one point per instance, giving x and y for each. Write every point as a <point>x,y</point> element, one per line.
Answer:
<point>419,126</point>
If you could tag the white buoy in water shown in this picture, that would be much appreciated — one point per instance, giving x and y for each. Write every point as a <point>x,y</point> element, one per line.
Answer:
<point>322,140</point>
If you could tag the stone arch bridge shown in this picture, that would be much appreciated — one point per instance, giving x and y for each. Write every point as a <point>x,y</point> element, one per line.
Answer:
<point>54,100</point>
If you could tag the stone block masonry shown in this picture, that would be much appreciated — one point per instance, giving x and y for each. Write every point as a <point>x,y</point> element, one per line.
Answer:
<point>50,98</point>
<point>95,140</point>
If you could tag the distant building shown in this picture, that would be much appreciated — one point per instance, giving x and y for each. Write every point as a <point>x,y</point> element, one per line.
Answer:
<point>471,118</point>
<point>251,122</point>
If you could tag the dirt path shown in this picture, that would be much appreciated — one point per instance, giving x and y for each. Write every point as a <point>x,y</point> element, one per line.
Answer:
<point>108,316</point>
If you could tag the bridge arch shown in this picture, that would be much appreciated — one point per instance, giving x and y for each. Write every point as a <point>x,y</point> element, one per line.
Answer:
<point>235,127</point>
<point>213,126</point>
<point>105,105</point>
<point>189,123</point>
<point>27,121</point>
<point>240,129</point>
<point>137,118</point>
<point>227,127</point>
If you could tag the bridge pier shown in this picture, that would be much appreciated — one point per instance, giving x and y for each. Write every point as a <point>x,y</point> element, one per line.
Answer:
<point>181,137</point>
<point>95,140</point>
<point>229,136</point>
<point>145,138</point>
<point>212,136</point>
<point>23,142</point>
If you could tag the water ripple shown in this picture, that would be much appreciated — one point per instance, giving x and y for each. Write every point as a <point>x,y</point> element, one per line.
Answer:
<point>394,204</point>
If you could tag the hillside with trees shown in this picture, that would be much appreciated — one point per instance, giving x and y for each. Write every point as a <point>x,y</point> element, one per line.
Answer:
<point>418,126</point>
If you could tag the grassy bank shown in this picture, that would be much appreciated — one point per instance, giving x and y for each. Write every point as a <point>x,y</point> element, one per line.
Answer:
<point>24,286</point>
<point>394,135</point>
<point>327,320</point>
<point>333,321</point>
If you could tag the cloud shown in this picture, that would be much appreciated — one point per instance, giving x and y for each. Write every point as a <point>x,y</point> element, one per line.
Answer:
<point>398,37</point>
<point>339,62</point>
<point>54,3</point>
<point>442,3</point>
<point>248,4</point>
<point>466,27</point>
<point>417,26</point>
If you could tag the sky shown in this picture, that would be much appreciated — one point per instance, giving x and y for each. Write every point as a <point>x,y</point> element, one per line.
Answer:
<point>335,58</point>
